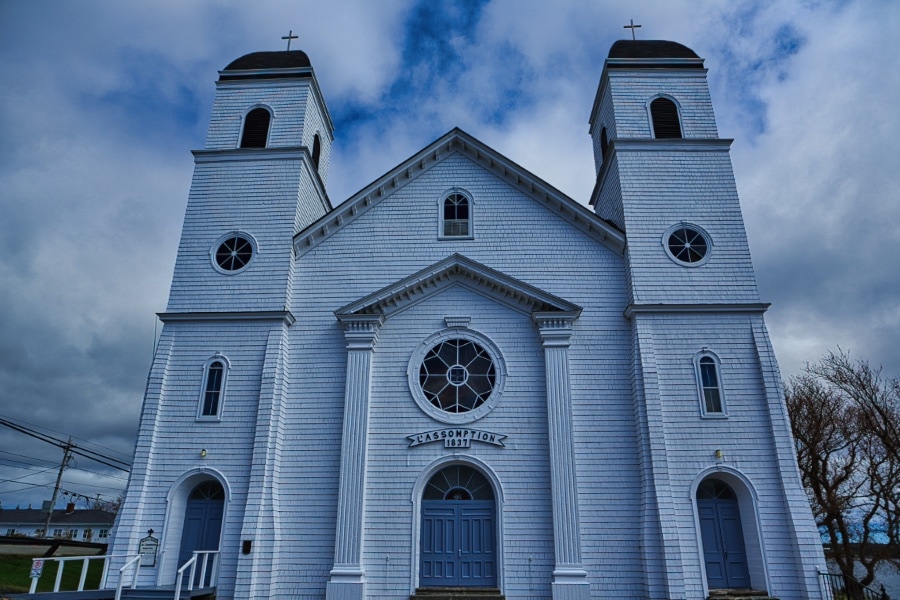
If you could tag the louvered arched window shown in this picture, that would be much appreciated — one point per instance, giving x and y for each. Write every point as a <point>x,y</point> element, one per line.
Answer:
<point>604,143</point>
<point>664,114</point>
<point>256,128</point>
<point>456,216</point>
<point>316,151</point>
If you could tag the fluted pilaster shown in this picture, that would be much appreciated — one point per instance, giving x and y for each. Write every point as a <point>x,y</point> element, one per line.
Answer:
<point>569,576</point>
<point>348,575</point>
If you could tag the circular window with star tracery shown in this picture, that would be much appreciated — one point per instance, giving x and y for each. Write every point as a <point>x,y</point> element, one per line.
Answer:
<point>233,252</point>
<point>687,244</point>
<point>456,376</point>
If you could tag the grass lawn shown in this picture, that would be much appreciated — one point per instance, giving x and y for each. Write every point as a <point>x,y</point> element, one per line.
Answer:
<point>15,571</point>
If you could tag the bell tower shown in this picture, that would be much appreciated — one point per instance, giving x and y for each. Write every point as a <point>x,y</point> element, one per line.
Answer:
<point>259,180</point>
<point>213,405</point>
<point>664,176</point>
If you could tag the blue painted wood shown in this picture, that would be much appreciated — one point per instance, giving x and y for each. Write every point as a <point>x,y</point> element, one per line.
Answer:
<point>723,543</point>
<point>458,544</point>
<point>202,529</point>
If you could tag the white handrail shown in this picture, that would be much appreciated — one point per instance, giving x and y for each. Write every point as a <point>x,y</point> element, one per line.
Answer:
<point>134,562</point>
<point>85,561</point>
<point>192,563</point>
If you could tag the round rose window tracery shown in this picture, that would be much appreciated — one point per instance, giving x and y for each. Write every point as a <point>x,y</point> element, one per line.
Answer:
<point>457,376</point>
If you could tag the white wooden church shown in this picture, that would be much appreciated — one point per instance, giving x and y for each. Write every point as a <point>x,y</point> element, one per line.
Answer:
<point>462,378</point>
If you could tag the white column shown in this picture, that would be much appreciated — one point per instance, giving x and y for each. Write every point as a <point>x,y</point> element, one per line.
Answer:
<point>348,577</point>
<point>569,577</point>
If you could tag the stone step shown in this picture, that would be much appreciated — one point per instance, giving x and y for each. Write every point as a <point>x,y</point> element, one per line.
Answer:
<point>457,593</point>
<point>739,594</point>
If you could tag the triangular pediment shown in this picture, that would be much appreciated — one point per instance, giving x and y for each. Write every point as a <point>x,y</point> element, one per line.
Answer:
<point>457,141</point>
<point>457,270</point>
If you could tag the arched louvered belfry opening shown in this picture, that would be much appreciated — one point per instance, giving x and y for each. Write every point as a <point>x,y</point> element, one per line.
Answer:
<point>256,128</point>
<point>664,113</point>
<point>604,143</point>
<point>316,151</point>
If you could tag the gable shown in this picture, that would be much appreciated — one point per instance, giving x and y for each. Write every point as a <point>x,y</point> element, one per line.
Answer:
<point>457,270</point>
<point>458,143</point>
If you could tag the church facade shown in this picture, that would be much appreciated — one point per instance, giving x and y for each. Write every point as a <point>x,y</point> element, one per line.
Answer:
<point>462,378</point>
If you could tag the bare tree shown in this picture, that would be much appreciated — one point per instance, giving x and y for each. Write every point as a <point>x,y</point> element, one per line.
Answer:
<point>845,417</point>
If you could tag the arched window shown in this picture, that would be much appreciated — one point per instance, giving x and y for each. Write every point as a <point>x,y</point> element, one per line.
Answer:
<point>712,401</point>
<point>664,113</point>
<point>213,388</point>
<point>604,143</point>
<point>456,216</point>
<point>316,151</point>
<point>256,128</point>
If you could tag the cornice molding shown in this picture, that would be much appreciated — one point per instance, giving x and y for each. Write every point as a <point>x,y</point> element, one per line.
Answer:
<point>300,153</point>
<point>459,270</point>
<point>461,142</point>
<point>653,145</point>
<point>235,154</point>
<point>750,308</point>
<point>284,316</point>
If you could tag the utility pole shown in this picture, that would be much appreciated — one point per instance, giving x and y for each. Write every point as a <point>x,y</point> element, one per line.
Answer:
<point>62,466</point>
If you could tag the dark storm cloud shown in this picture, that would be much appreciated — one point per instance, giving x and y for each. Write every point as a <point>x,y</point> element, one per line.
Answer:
<point>104,100</point>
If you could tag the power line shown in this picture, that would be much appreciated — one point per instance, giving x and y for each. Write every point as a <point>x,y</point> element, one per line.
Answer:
<point>27,475</point>
<point>24,456</point>
<point>27,486</point>
<point>68,446</point>
<point>82,443</point>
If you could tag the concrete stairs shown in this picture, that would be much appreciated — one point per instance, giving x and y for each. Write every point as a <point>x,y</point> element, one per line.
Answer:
<point>457,593</point>
<point>739,594</point>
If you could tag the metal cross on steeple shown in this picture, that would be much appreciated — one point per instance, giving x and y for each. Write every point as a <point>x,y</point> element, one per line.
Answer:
<point>632,27</point>
<point>290,36</point>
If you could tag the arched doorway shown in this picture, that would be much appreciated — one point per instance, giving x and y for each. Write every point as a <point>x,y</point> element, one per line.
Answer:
<point>458,542</point>
<point>202,520</point>
<point>722,536</point>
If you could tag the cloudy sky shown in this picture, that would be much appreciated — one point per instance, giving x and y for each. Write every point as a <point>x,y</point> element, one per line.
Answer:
<point>102,102</point>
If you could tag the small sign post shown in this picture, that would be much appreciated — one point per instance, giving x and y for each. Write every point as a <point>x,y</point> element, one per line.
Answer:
<point>37,567</point>
<point>147,549</point>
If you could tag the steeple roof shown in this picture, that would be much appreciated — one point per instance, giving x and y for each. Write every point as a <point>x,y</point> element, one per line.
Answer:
<point>630,54</point>
<point>268,65</point>
<point>270,60</point>
<point>650,49</point>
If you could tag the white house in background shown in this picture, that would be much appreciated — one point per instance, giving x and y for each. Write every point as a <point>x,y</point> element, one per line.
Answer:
<point>461,377</point>
<point>90,525</point>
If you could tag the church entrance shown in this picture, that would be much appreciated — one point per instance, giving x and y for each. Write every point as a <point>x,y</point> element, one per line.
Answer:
<point>458,530</point>
<point>202,520</point>
<point>722,536</point>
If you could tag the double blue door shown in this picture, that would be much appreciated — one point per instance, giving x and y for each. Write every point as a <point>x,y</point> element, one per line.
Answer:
<point>202,528</point>
<point>723,543</point>
<point>458,544</point>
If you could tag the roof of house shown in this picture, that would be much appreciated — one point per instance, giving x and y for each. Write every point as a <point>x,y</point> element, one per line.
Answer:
<point>37,517</point>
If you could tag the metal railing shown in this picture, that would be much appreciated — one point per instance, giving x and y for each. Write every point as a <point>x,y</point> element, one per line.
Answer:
<point>85,562</point>
<point>841,587</point>
<point>202,580</point>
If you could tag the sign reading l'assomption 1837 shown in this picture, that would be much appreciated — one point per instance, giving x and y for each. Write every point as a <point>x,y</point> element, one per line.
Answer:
<point>456,437</point>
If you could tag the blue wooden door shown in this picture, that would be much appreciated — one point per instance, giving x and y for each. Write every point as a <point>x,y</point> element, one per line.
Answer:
<point>202,522</point>
<point>458,544</point>
<point>723,540</point>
